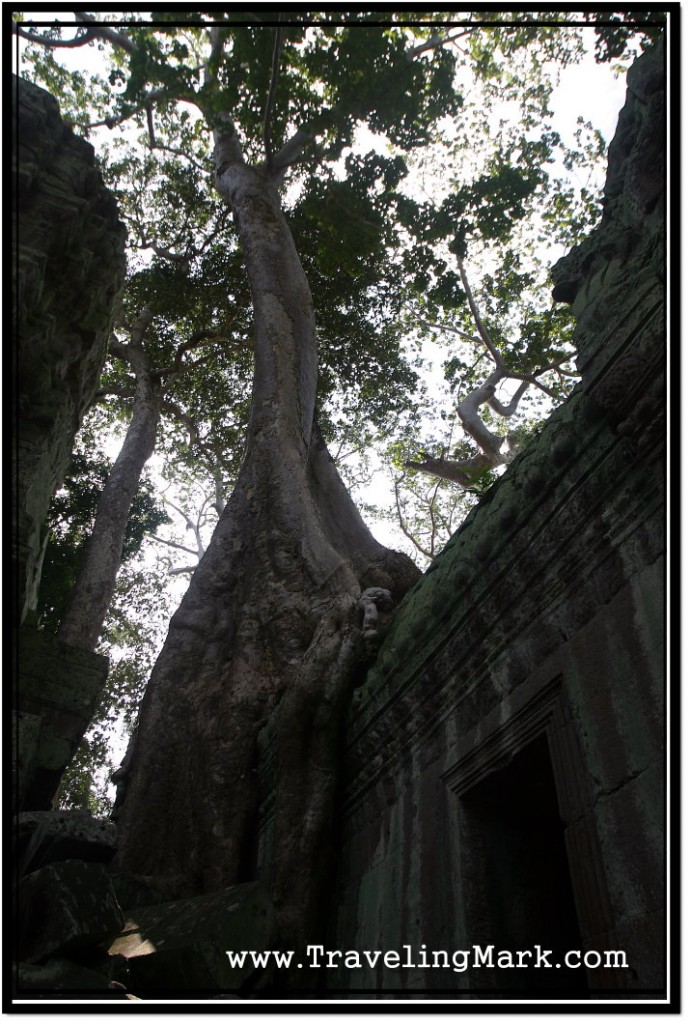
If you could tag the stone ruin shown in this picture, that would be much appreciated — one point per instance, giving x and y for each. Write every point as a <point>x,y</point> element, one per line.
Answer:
<point>68,267</point>
<point>504,767</point>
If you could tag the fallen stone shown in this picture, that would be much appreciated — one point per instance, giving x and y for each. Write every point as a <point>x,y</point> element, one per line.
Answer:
<point>50,836</point>
<point>181,945</point>
<point>63,907</point>
<point>59,975</point>
<point>134,892</point>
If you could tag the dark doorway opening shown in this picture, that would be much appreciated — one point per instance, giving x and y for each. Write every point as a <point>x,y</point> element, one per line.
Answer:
<point>520,884</point>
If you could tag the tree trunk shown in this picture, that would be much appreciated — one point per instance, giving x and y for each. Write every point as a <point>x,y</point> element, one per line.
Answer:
<point>92,593</point>
<point>271,616</point>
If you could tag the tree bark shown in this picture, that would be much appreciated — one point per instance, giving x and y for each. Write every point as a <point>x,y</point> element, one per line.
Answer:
<point>271,617</point>
<point>88,603</point>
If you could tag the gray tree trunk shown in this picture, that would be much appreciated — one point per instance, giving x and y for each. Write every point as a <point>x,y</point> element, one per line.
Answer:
<point>271,617</point>
<point>88,603</point>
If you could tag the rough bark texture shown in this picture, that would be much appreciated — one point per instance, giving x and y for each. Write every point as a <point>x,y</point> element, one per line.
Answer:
<point>92,593</point>
<point>271,616</point>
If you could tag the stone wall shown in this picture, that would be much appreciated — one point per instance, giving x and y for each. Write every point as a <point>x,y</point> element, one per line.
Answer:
<point>505,759</point>
<point>59,688</point>
<point>68,267</point>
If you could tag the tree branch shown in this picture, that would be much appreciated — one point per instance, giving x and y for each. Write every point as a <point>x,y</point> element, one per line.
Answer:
<point>509,410</point>
<point>188,522</point>
<point>401,522</point>
<point>150,126</point>
<point>187,421</point>
<point>179,153</point>
<point>469,414</point>
<point>271,96</point>
<point>151,98</point>
<point>448,327</point>
<point>118,392</point>
<point>464,473</point>
<point>172,543</point>
<point>434,41</point>
<point>169,371</point>
<point>290,152</point>
<point>104,32</point>
<point>33,37</point>
<point>198,339</point>
<point>476,316</point>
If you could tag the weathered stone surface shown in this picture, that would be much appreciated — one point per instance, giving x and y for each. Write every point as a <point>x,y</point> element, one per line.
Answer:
<point>68,267</point>
<point>182,945</point>
<point>618,274</point>
<point>134,892</point>
<point>65,907</point>
<point>51,836</point>
<point>63,976</point>
<point>59,685</point>
<point>26,730</point>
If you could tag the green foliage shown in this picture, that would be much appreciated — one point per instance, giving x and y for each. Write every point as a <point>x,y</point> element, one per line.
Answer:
<point>133,633</point>
<point>70,521</point>
<point>615,30</point>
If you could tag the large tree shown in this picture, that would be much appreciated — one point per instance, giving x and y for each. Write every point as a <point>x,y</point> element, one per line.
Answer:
<point>275,618</point>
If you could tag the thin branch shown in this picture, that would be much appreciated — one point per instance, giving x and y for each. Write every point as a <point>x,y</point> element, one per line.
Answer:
<point>166,254</point>
<point>188,521</point>
<point>196,340</point>
<point>434,41</point>
<point>271,96</point>
<point>172,544</point>
<point>179,153</point>
<point>169,371</point>
<point>532,379</point>
<point>476,316</point>
<point>447,327</point>
<point>151,98</point>
<point>401,522</point>
<point>433,521</point>
<point>187,421</point>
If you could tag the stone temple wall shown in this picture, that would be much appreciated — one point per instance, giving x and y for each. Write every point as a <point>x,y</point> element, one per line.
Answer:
<point>68,267</point>
<point>504,763</point>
